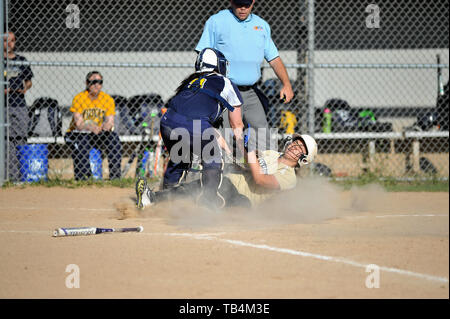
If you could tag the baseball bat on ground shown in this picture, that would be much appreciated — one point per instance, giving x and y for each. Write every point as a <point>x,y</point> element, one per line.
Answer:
<point>83,231</point>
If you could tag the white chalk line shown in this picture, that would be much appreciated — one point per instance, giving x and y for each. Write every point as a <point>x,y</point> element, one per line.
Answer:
<point>26,231</point>
<point>167,234</point>
<point>397,215</point>
<point>211,236</point>
<point>113,209</point>
<point>307,254</point>
<point>64,208</point>
<point>416,215</point>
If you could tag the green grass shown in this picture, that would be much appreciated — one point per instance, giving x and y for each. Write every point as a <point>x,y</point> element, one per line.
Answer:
<point>70,183</point>
<point>389,184</point>
<point>395,185</point>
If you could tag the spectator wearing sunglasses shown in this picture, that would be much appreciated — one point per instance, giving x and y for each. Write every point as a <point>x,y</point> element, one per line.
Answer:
<point>92,126</point>
<point>245,39</point>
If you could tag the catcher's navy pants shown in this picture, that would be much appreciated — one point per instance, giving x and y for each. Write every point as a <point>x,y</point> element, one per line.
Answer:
<point>82,143</point>
<point>183,137</point>
<point>191,190</point>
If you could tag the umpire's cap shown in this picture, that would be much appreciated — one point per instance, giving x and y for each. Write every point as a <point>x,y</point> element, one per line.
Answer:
<point>242,2</point>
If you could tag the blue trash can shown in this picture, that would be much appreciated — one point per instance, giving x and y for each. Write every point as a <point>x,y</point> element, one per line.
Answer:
<point>33,159</point>
<point>95,160</point>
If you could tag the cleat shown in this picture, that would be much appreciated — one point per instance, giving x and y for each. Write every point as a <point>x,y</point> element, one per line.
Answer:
<point>144,195</point>
<point>149,197</point>
<point>141,185</point>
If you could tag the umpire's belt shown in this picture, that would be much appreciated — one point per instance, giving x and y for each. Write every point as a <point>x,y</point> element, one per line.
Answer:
<point>244,88</point>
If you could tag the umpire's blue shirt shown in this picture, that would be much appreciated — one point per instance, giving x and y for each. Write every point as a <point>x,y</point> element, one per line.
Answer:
<point>245,44</point>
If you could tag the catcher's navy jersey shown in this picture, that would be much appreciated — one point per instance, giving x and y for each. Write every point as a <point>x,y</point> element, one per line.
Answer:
<point>195,104</point>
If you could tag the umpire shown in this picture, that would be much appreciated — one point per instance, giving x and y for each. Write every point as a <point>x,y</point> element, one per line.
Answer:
<point>245,39</point>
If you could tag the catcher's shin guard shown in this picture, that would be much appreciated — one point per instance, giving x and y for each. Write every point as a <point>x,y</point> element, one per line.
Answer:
<point>209,195</point>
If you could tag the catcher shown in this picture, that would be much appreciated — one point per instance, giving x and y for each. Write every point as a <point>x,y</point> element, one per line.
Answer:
<point>189,127</point>
<point>264,177</point>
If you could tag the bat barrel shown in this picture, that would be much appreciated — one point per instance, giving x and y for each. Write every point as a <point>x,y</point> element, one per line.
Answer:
<point>76,231</point>
<point>84,231</point>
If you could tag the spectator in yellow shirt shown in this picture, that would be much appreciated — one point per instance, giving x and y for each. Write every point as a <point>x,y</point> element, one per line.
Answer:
<point>92,126</point>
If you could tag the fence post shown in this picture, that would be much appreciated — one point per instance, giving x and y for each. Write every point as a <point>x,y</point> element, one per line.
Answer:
<point>310,57</point>
<point>372,161</point>
<point>416,156</point>
<point>310,72</point>
<point>2,101</point>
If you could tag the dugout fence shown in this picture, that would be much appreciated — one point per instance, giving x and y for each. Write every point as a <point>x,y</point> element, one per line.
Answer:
<point>380,68</point>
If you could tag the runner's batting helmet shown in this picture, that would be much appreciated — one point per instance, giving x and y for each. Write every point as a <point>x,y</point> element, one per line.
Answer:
<point>209,60</point>
<point>310,144</point>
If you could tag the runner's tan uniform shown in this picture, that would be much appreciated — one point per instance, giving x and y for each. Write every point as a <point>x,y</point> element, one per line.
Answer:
<point>284,174</point>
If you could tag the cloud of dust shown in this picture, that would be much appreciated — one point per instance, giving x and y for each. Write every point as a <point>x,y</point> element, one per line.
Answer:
<point>186,214</point>
<point>126,209</point>
<point>314,200</point>
<point>368,198</point>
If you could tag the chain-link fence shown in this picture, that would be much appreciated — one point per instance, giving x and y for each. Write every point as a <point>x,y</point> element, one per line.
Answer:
<point>370,82</point>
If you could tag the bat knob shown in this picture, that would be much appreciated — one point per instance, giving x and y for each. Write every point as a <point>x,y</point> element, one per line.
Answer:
<point>58,232</point>
<point>141,229</point>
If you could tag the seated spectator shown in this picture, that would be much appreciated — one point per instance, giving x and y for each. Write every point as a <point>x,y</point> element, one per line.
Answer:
<point>92,126</point>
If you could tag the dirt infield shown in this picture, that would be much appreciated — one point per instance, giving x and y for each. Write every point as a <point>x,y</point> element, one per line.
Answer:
<point>314,242</point>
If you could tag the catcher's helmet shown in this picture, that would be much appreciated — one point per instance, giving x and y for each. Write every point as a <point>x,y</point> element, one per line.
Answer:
<point>310,144</point>
<point>209,60</point>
